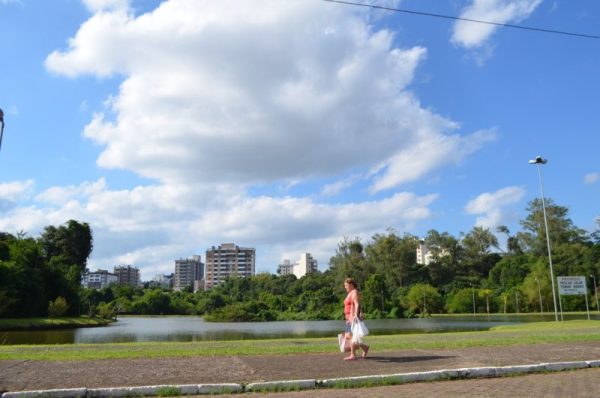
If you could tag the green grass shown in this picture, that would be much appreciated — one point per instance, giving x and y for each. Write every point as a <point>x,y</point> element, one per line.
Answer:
<point>530,333</point>
<point>50,323</point>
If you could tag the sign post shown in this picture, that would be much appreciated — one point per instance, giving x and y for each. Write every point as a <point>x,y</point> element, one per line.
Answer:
<point>573,285</point>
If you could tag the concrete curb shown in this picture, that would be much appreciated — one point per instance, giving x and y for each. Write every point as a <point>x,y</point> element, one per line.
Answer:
<point>287,385</point>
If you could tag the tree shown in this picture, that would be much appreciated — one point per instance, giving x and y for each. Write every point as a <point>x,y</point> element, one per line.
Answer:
<point>478,258</point>
<point>512,243</point>
<point>509,272</point>
<point>423,298</point>
<point>349,261</point>
<point>374,293</point>
<point>446,253</point>
<point>479,242</point>
<point>560,227</point>
<point>460,301</point>
<point>393,257</point>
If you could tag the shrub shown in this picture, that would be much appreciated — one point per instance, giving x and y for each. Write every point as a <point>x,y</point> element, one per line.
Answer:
<point>57,307</point>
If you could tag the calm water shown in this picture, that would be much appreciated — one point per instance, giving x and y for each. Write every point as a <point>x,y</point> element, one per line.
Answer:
<point>129,329</point>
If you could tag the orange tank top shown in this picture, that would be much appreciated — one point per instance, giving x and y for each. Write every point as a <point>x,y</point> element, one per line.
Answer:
<point>348,306</point>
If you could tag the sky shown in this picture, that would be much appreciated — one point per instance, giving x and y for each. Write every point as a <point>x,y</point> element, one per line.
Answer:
<point>174,126</point>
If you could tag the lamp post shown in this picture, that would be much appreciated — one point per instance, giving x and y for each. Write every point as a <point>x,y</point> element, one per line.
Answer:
<point>1,127</point>
<point>539,161</point>
<point>540,294</point>
<point>595,292</point>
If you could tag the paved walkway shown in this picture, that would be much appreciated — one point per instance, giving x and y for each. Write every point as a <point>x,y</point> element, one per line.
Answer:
<point>584,383</point>
<point>34,375</point>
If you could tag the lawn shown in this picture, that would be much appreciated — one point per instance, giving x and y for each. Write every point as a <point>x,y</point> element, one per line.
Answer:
<point>529,333</point>
<point>50,323</point>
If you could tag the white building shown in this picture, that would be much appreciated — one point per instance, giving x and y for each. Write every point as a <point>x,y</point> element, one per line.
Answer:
<point>99,279</point>
<point>305,265</point>
<point>426,256</point>
<point>286,268</point>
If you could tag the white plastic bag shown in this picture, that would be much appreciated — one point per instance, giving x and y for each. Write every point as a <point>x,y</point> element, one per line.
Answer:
<point>343,343</point>
<point>359,329</point>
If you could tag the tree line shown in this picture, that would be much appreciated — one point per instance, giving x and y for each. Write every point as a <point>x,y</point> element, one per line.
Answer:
<point>471,272</point>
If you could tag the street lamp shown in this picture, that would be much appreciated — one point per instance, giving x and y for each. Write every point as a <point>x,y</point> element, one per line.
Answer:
<point>2,127</point>
<point>538,161</point>
<point>596,292</point>
<point>540,294</point>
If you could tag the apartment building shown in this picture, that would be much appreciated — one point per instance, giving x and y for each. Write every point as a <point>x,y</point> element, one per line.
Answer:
<point>228,260</point>
<point>425,254</point>
<point>99,279</point>
<point>189,272</point>
<point>305,265</point>
<point>127,275</point>
<point>286,268</point>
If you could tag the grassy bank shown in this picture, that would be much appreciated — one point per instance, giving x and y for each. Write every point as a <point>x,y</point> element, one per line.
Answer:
<point>531,333</point>
<point>50,323</point>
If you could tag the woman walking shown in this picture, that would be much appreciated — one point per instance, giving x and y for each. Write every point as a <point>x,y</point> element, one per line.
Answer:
<point>351,312</point>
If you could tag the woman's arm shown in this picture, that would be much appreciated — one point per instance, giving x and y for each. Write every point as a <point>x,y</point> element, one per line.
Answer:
<point>355,305</point>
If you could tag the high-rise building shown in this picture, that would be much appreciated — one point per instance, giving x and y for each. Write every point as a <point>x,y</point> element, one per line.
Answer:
<point>188,273</point>
<point>306,265</point>
<point>128,275</point>
<point>99,279</point>
<point>228,260</point>
<point>287,268</point>
<point>423,255</point>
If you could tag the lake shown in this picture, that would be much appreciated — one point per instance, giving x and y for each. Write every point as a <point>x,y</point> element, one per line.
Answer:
<point>173,328</point>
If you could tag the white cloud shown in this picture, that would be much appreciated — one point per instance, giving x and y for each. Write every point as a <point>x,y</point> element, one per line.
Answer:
<point>432,151</point>
<point>152,226</point>
<point>492,206</point>
<point>219,95</point>
<point>591,178</point>
<point>12,191</point>
<point>473,35</point>
<point>59,195</point>
<point>227,91</point>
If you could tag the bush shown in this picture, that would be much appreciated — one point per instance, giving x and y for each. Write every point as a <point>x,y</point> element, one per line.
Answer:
<point>57,307</point>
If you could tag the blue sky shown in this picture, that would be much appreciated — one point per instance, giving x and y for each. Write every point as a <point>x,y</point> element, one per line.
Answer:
<point>172,126</point>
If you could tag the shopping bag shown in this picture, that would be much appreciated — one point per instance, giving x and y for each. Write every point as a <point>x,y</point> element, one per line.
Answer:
<point>359,329</point>
<point>343,342</point>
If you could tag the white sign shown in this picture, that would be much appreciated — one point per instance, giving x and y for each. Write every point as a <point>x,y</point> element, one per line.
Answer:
<point>571,285</point>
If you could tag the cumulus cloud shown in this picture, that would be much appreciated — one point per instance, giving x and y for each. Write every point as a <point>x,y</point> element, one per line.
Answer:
<point>217,96</point>
<point>473,35</point>
<point>151,226</point>
<point>492,206</point>
<point>227,91</point>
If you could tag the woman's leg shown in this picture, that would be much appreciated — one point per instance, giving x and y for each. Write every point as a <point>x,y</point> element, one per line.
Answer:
<point>365,349</point>
<point>352,352</point>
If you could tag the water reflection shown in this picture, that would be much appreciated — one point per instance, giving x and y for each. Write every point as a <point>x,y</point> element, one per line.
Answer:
<point>178,329</point>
